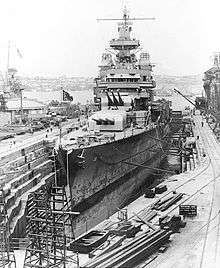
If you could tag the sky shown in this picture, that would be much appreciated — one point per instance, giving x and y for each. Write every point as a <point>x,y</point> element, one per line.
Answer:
<point>63,37</point>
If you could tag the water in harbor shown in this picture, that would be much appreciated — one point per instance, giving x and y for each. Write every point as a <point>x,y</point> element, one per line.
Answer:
<point>84,96</point>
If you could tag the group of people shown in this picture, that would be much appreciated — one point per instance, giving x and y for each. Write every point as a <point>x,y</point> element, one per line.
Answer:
<point>13,141</point>
<point>49,130</point>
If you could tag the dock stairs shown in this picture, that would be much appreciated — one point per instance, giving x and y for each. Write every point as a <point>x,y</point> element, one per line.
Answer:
<point>21,173</point>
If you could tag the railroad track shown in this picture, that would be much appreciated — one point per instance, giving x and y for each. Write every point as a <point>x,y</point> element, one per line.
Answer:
<point>209,257</point>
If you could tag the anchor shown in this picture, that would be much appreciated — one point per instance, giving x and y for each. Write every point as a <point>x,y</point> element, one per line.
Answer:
<point>81,159</point>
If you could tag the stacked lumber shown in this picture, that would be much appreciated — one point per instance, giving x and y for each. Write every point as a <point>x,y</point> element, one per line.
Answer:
<point>165,203</point>
<point>148,215</point>
<point>132,252</point>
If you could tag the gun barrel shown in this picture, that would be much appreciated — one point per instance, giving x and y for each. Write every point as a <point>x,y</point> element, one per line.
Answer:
<point>110,121</point>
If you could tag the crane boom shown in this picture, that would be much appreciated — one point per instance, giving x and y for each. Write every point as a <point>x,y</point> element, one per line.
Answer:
<point>177,91</point>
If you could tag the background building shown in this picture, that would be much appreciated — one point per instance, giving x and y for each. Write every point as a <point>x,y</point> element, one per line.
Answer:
<point>32,109</point>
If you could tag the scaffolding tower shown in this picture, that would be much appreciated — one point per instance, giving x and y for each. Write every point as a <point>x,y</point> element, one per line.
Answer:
<point>7,258</point>
<point>49,228</point>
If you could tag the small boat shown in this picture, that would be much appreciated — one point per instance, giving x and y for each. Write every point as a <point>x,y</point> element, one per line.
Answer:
<point>89,241</point>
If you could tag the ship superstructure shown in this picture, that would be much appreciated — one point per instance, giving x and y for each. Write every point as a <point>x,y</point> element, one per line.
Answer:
<point>125,83</point>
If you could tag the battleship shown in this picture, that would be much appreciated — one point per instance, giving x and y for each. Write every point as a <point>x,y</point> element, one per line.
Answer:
<point>122,143</point>
<point>97,165</point>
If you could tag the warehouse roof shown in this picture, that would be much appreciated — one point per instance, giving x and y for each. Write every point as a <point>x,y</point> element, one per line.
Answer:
<point>28,104</point>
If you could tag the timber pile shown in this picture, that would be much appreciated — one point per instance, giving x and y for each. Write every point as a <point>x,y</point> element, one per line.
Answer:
<point>148,215</point>
<point>132,252</point>
<point>115,242</point>
<point>164,204</point>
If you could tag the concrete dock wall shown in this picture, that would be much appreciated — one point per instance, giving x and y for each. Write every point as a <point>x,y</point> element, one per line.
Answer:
<point>21,171</point>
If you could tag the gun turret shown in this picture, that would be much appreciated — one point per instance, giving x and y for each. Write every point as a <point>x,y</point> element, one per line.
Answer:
<point>109,121</point>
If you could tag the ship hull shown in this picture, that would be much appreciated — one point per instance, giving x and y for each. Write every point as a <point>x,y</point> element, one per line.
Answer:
<point>114,197</point>
<point>99,171</point>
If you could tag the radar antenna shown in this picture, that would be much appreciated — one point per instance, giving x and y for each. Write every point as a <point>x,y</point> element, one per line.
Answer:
<point>125,18</point>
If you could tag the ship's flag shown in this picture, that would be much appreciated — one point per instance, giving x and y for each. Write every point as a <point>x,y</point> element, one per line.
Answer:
<point>19,53</point>
<point>67,96</point>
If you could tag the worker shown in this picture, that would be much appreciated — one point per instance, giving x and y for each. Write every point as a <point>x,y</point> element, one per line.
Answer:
<point>202,123</point>
<point>11,143</point>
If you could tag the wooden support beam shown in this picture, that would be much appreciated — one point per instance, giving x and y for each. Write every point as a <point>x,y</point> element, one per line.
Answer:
<point>60,212</point>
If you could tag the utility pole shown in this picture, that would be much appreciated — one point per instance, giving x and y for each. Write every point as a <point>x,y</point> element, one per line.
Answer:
<point>68,178</point>
<point>60,134</point>
<point>21,96</point>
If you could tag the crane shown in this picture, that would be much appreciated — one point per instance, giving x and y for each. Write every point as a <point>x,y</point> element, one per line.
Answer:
<point>197,104</point>
<point>177,91</point>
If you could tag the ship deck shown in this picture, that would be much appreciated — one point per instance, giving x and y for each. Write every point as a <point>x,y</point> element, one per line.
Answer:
<point>90,139</point>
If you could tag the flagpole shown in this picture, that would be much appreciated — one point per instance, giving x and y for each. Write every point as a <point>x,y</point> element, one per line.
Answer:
<point>61,92</point>
<point>8,59</point>
<point>8,55</point>
<point>22,112</point>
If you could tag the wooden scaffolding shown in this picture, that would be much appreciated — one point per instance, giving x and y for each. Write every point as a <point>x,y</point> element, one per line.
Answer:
<point>49,228</point>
